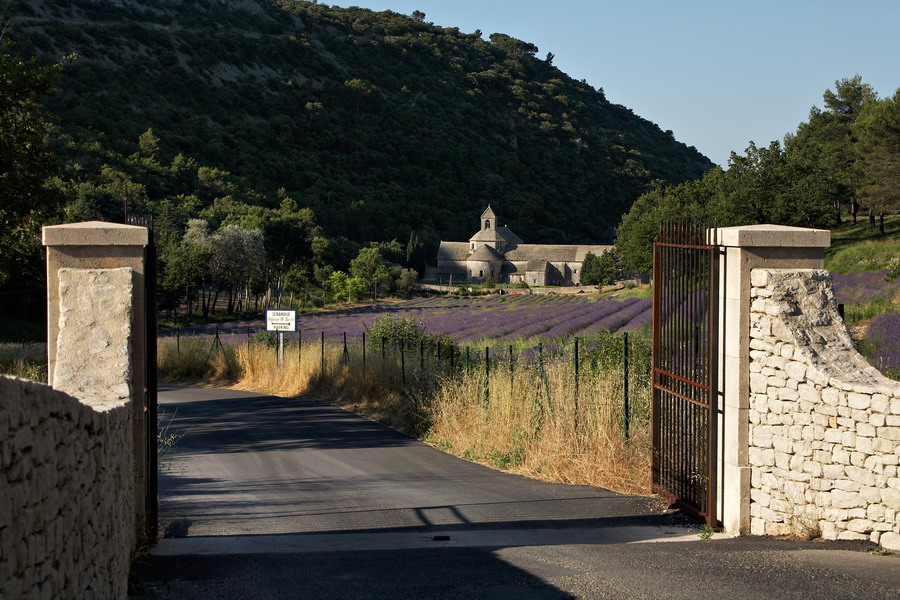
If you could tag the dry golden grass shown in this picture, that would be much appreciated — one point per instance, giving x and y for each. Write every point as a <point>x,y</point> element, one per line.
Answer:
<point>528,421</point>
<point>555,436</point>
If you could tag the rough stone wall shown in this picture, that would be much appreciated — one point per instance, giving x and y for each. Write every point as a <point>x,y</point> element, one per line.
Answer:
<point>67,494</point>
<point>824,425</point>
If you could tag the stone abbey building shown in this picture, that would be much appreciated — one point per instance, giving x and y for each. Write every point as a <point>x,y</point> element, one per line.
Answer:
<point>496,252</point>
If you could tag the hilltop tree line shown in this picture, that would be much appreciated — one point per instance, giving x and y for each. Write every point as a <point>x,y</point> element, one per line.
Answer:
<point>842,163</point>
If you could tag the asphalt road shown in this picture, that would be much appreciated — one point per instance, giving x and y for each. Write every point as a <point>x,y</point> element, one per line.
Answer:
<point>267,497</point>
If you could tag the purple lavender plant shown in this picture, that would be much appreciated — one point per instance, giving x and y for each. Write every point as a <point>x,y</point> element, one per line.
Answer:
<point>884,336</point>
<point>861,287</point>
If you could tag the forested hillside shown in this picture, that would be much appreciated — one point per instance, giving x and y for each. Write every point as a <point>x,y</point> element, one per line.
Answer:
<point>381,124</point>
<point>291,147</point>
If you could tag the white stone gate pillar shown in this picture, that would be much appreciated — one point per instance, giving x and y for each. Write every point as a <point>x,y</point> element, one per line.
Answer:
<point>104,257</point>
<point>746,248</point>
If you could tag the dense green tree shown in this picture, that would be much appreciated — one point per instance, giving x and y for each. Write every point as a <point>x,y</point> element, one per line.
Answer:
<point>405,281</point>
<point>238,262</point>
<point>299,282</point>
<point>598,270</point>
<point>825,145</point>
<point>513,46</point>
<point>878,146</point>
<point>640,226</point>
<point>337,286</point>
<point>26,159</point>
<point>183,268</point>
<point>370,266</point>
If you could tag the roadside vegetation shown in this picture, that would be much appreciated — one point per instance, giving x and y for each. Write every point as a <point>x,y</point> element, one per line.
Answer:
<point>25,361</point>
<point>528,413</point>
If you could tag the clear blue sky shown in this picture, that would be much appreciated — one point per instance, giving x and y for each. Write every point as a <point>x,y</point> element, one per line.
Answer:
<point>718,73</point>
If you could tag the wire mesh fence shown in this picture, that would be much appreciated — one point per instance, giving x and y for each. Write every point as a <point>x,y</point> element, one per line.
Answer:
<point>602,378</point>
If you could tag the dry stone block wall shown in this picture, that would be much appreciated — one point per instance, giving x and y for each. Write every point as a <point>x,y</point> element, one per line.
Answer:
<point>824,425</point>
<point>66,496</point>
<point>67,493</point>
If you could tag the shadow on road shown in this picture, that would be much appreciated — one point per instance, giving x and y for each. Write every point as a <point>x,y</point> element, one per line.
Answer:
<point>276,424</point>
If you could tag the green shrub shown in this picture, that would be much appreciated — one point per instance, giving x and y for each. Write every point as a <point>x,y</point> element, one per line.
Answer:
<point>396,331</point>
<point>265,338</point>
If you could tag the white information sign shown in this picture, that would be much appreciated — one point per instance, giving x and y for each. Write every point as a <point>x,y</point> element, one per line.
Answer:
<point>281,319</point>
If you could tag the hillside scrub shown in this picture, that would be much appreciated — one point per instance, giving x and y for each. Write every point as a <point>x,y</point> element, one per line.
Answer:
<point>380,124</point>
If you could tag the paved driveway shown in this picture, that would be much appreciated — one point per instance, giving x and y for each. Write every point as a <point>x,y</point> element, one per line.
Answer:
<point>268,497</point>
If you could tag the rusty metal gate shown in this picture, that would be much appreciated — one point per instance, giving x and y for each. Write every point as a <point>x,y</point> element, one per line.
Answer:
<point>685,300</point>
<point>151,500</point>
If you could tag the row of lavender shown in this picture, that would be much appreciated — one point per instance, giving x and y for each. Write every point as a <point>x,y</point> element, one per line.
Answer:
<point>531,318</point>
<point>491,319</point>
<point>882,340</point>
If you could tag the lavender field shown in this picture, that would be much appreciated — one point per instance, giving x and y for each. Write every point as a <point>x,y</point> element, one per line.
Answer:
<point>883,339</point>
<point>863,287</point>
<point>486,319</point>
<point>868,298</point>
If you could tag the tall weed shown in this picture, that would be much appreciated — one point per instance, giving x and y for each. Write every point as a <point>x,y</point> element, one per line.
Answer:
<point>25,361</point>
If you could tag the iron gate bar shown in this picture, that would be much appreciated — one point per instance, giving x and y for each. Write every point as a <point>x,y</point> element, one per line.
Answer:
<point>682,396</point>
<point>151,469</point>
<point>681,379</point>
<point>684,368</point>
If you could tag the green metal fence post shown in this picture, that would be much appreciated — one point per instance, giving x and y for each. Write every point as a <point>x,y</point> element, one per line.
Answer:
<point>575,397</point>
<point>625,367</point>
<point>402,364</point>
<point>346,351</point>
<point>487,376</point>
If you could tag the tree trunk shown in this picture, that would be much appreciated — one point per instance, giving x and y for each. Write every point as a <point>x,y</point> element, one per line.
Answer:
<point>853,208</point>
<point>215,300</point>
<point>881,222</point>
<point>204,300</point>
